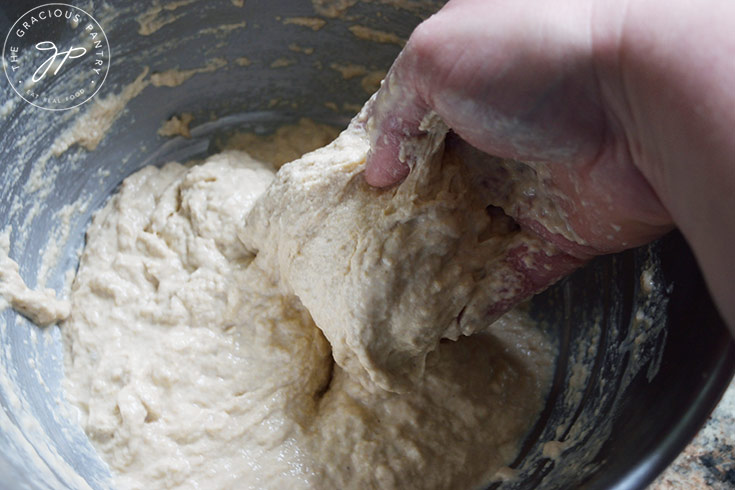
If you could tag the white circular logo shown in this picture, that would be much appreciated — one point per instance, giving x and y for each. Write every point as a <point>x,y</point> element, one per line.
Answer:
<point>56,56</point>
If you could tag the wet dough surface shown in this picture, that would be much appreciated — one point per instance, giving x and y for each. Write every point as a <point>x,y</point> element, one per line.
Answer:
<point>236,328</point>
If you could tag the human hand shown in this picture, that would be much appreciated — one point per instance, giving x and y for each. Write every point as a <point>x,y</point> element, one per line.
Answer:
<point>520,80</point>
<point>627,108</point>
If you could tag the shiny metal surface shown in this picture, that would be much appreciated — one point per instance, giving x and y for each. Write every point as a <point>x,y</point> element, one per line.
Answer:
<point>647,389</point>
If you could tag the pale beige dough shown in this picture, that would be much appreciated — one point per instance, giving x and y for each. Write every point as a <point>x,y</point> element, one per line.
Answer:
<point>41,306</point>
<point>212,301</point>
<point>387,274</point>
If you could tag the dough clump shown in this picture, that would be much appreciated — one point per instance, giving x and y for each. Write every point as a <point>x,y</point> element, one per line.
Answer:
<point>232,327</point>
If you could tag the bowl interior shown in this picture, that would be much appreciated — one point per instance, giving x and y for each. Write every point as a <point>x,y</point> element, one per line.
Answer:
<point>643,354</point>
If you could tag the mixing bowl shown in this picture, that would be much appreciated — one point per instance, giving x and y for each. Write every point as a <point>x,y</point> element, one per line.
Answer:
<point>643,354</point>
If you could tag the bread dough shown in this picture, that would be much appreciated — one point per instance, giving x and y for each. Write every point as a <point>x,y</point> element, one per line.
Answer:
<point>211,303</point>
<point>387,274</point>
<point>41,306</point>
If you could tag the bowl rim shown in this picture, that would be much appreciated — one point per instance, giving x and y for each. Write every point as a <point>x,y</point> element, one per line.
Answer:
<point>645,471</point>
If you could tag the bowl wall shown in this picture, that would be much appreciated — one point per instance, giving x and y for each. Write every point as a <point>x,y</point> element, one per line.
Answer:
<point>641,362</point>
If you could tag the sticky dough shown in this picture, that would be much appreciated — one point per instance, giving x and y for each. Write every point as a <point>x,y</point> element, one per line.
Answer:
<point>233,327</point>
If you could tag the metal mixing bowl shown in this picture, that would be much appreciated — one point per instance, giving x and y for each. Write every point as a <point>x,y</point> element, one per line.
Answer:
<point>643,355</point>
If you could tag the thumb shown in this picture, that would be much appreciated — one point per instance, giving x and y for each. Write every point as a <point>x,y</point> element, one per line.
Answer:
<point>511,78</point>
<point>397,116</point>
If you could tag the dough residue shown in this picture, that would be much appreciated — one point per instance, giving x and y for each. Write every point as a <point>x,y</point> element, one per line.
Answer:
<point>282,62</point>
<point>91,127</point>
<point>159,15</point>
<point>175,76</point>
<point>332,8</point>
<point>375,35</point>
<point>177,126</point>
<point>313,23</point>
<point>40,306</point>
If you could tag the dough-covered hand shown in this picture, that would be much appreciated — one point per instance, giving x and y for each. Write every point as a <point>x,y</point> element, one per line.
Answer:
<point>519,80</point>
<point>626,108</point>
<point>386,274</point>
<point>607,116</point>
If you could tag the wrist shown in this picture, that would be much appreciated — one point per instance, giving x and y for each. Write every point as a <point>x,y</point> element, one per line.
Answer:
<point>667,73</point>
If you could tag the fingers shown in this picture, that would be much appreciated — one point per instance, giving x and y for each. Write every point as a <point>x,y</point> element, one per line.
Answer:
<point>513,78</point>
<point>395,117</point>
<point>516,79</point>
<point>525,270</point>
